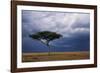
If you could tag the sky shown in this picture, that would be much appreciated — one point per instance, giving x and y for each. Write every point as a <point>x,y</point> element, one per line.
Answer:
<point>74,27</point>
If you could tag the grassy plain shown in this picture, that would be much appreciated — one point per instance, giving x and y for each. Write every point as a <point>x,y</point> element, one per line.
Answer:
<point>53,56</point>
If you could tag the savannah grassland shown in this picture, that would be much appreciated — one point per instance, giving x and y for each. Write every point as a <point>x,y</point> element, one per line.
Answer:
<point>53,56</point>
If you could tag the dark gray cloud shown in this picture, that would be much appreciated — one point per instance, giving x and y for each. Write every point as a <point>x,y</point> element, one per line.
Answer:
<point>63,23</point>
<point>75,28</point>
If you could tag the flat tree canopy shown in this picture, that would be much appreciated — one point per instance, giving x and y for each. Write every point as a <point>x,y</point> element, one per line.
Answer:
<point>45,36</point>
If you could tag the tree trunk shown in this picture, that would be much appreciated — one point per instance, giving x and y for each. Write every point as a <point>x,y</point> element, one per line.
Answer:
<point>46,43</point>
<point>49,49</point>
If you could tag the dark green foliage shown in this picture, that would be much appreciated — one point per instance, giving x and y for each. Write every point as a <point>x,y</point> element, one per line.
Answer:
<point>35,36</point>
<point>47,35</point>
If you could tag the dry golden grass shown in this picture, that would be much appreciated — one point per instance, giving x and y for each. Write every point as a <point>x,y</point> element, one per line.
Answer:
<point>35,57</point>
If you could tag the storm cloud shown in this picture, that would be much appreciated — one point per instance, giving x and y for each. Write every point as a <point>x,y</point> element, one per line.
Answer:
<point>71,25</point>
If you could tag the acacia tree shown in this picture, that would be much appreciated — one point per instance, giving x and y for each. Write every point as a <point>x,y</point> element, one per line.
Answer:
<point>45,37</point>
